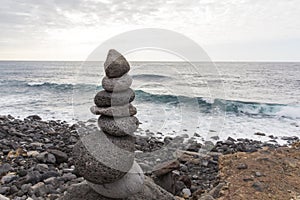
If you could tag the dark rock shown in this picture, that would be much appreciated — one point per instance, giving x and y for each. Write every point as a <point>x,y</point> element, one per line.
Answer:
<point>46,157</point>
<point>39,189</point>
<point>41,167</point>
<point>106,99</point>
<point>258,186</point>
<point>68,177</point>
<point>242,166</point>
<point>8,178</point>
<point>118,126</point>
<point>260,134</point>
<point>115,111</point>
<point>25,188</point>
<point>49,174</point>
<point>4,168</point>
<point>4,190</point>
<point>33,177</point>
<point>34,117</point>
<point>166,167</point>
<point>117,84</point>
<point>115,65</point>
<point>179,185</point>
<point>59,155</point>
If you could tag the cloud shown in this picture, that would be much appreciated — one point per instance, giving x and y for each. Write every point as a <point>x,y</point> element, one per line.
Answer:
<point>60,24</point>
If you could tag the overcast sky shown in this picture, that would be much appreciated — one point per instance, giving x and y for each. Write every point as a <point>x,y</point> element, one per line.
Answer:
<point>229,30</point>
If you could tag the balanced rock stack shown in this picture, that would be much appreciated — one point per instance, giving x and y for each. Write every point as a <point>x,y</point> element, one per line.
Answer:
<point>106,158</point>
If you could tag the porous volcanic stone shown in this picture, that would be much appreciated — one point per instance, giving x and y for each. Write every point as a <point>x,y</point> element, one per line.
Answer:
<point>116,84</point>
<point>106,99</point>
<point>115,65</point>
<point>115,111</point>
<point>101,159</point>
<point>127,186</point>
<point>118,126</point>
<point>150,191</point>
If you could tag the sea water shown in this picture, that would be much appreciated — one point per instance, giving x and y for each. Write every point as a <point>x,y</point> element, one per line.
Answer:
<point>236,99</point>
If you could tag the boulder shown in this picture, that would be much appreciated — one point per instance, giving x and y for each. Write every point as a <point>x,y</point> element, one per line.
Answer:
<point>102,159</point>
<point>150,191</point>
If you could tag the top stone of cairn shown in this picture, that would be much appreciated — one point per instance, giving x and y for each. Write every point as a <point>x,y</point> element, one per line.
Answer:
<point>115,65</point>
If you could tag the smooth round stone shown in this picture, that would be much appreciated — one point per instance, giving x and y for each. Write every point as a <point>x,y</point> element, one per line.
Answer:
<point>118,126</point>
<point>115,65</point>
<point>101,158</point>
<point>106,99</point>
<point>115,111</point>
<point>116,84</point>
<point>130,184</point>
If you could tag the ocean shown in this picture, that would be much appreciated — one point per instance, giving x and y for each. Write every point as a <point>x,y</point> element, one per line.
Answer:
<point>236,99</point>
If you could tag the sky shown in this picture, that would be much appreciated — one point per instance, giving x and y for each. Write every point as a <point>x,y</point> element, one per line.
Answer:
<point>228,30</point>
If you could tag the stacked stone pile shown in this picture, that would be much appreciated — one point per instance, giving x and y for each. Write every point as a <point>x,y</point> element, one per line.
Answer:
<point>106,158</point>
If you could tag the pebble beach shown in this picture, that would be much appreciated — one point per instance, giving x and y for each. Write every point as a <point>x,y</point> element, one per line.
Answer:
<point>37,163</point>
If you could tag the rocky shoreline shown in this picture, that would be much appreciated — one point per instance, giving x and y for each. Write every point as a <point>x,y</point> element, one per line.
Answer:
<point>36,160</point>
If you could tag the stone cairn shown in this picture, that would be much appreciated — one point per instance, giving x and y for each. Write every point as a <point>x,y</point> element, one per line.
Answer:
<point>105,158</point>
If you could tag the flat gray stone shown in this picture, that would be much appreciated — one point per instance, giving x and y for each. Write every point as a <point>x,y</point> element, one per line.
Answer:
<point>150,191</point>
<point>115,111</point>
<point>101,158</point>
<point>118,126</point>
<point>115,65</point>
<point>117,84</point>
<point>107,99</point>
<point>129,185</point>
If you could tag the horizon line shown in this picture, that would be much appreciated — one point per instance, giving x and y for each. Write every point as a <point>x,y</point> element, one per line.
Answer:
<point>218,61</point>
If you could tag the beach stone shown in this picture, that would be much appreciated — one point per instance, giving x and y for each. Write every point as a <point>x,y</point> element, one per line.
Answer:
<point>118,126</point>
<point>101,159</point>
<point>150,191</point>
<point>115,65</point>
<point>115,111</point>
<point>59,155</point>
<point>129,185</point>
<point>4,168</point>
<point>117,84</point>
<point>106,99</point>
